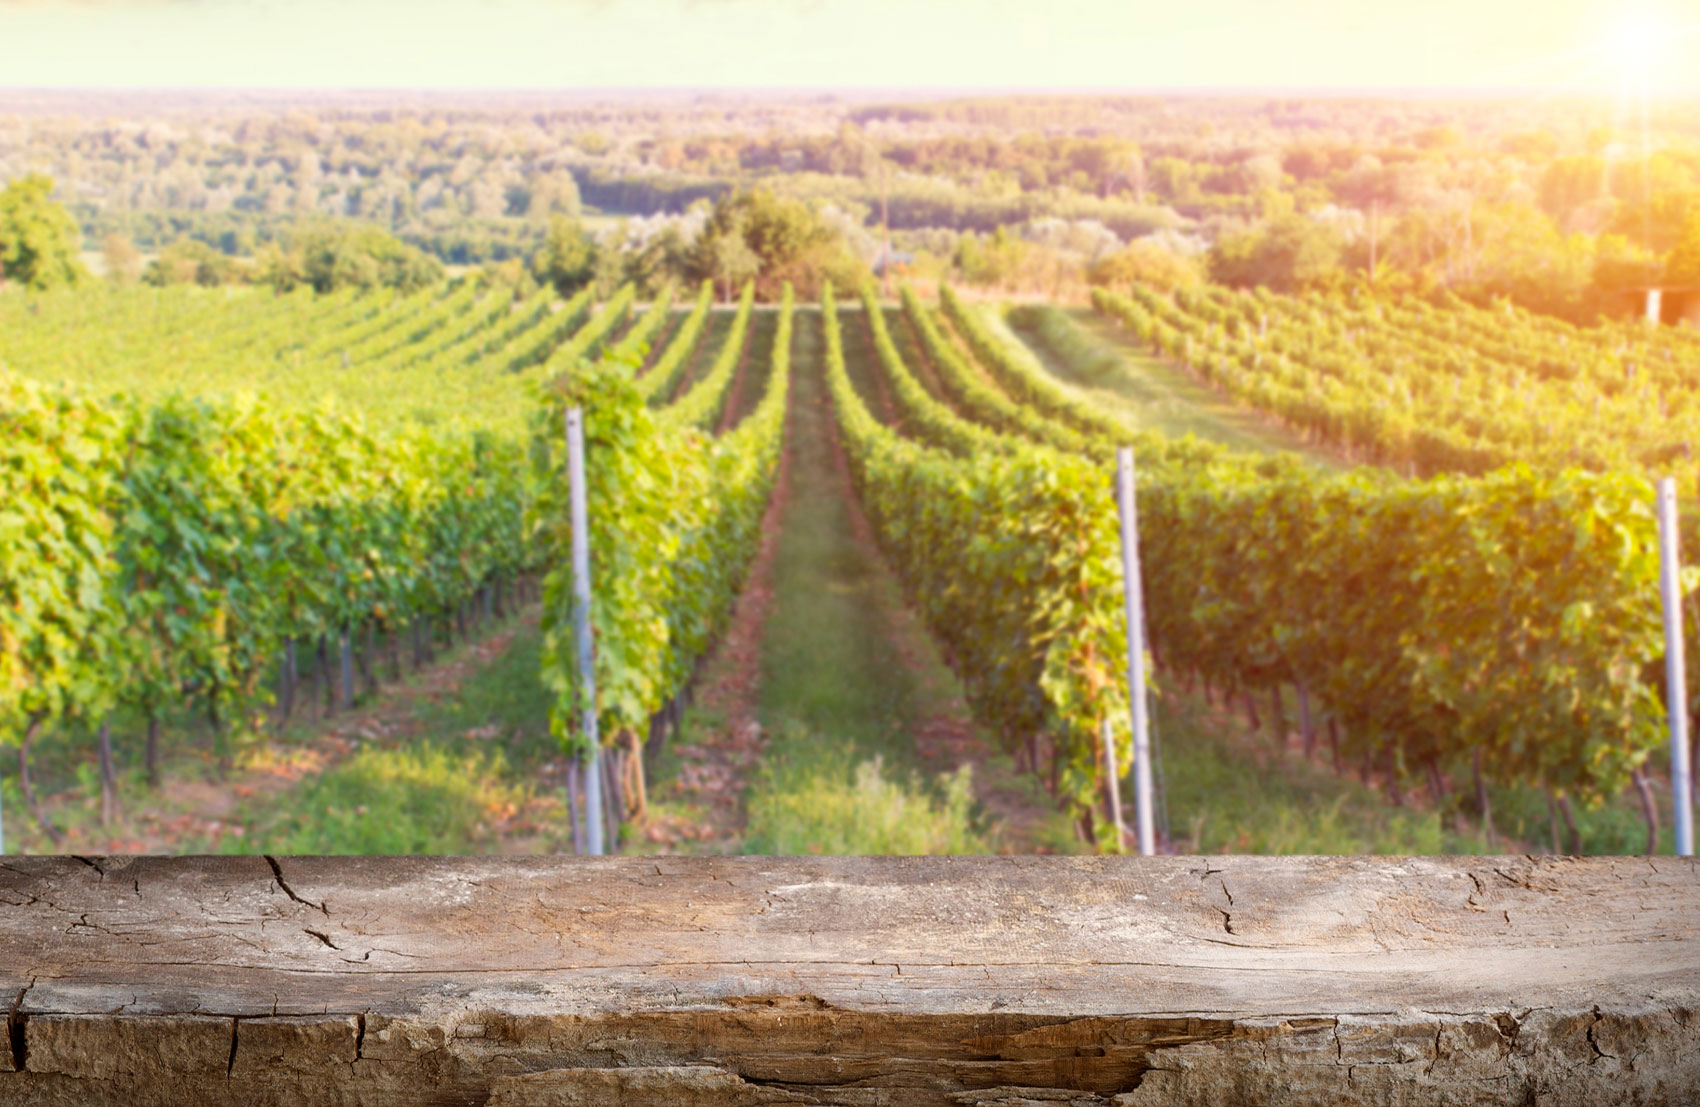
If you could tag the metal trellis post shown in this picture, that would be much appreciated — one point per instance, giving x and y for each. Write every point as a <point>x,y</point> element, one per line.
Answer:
<point>581,631</point>
<point>1132,592</point>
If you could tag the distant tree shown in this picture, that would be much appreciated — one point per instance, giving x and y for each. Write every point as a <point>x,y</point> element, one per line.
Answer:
<point>567,258</point>
<point>1437,138</point>
<point>333,256</point>
<point>1103,161</point>
<point>661,258</point>
<point>1258,173</point>
<point>723,255</point>
<point>1133,172</point>
<point>771,240</point>
<point>551,194</point>
<point>1287,254</point>
<point>1620,263</point>
<point>190,261</point>
<point>1534,146</point>
<point>509,273</point>
<point>39,240</point>
<point>609,272</point>
<point>277,267</point>
<point>1174,179</point>
<point>1682,265</point>
<point>123,260</point>
<point>1569,183</point>
<point>1143,262</point>
<point>1366,184</point>
<point>1516,251</point>
<point>329,256</point>
<point>995,260</point>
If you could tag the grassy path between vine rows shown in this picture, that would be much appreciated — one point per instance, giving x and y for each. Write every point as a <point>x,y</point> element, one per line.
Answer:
<point>453,758</point>
<point>1153,394</point>
<point>826,706</point>
<point>1233,790</point>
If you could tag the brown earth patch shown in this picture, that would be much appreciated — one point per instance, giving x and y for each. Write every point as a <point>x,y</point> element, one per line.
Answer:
<point>191,811</point>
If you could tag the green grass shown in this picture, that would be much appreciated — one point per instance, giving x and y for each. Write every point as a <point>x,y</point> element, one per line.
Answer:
<point>419,798</point>
<point>834,801</point>
<point>1231,792</point>
<point>1226,795</point>
<point>453,762</point>
<point>861,364</point>
<point>758,365</point>
<point>1090,354</point>
<point>840,774</point>
<point>471,755</point>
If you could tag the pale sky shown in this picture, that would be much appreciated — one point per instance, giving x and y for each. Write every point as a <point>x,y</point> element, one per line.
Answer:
<point>1546,46</point>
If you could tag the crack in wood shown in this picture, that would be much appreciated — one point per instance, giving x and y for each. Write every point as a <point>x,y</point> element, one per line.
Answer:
<point>1599,1054</point>
<point>323,937</point>
<point>93,864</point>
<point>277,875</point>
<point>663,964</point>
<point>15,1035</point>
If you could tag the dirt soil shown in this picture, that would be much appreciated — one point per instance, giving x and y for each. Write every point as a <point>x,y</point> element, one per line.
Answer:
<point>715,767</point>
<point>200,813</point>
<point>946,739</point>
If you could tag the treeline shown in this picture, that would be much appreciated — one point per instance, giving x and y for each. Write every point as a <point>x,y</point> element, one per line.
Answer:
<point>767,241</point>
<point>237,234</point>
<point>1553,207</point>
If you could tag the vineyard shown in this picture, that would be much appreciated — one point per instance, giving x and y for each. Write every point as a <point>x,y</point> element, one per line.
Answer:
<point>223,505</point>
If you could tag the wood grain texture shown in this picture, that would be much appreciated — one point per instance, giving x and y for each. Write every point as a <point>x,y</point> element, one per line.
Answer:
<point>990,981</point>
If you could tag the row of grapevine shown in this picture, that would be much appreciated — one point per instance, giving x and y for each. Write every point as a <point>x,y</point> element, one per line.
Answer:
<point>471,340</point>
<point>380,326</point>
<point>662,378</point>
<point>423,315</point>
<point>1514,617</point>
<point>1460,389</point>
<point>463,330</point>
<point>532,346</point>
<point>79,336</point>
<point>675,519</point>
<point>158,547</point>
<point>635,343</point>
<point>1015,371</point>
<point>921,415</point>
<point>163,551</point>
<point>702,404</point>
<point>589,337</point>
<point>973,394</point>
<point>1009,553</point>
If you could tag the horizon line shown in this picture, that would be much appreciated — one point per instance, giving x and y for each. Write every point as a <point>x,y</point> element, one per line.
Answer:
<point>941,92</point>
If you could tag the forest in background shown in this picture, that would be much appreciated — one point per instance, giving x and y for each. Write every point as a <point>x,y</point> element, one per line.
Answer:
<point>1556,206</point>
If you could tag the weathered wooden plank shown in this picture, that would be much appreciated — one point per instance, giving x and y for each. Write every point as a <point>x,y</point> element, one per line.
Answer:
<point>850,980</point>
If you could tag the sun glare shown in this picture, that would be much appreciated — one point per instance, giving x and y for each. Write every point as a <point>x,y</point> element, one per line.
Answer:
<point>1639,43</point>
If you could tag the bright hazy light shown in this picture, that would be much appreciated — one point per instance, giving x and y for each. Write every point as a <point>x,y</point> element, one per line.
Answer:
<point>1643,41</point>
<point>1543,46</point>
